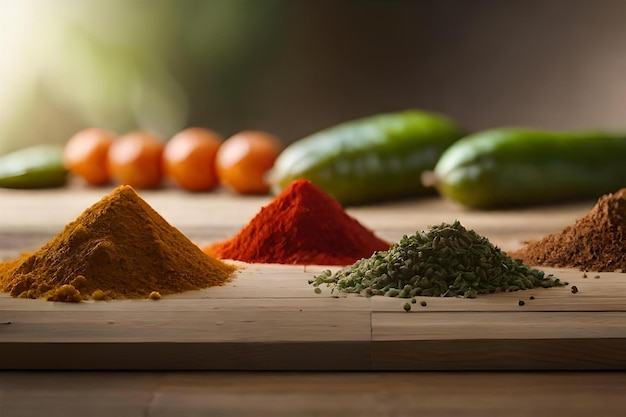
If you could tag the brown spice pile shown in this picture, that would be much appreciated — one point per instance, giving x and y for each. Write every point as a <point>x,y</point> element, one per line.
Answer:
<point>118,248</point>
<point>594,243</point>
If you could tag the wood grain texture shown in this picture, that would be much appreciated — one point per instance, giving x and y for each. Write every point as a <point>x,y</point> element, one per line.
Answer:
<point>206,217</point>
<point>291,394</point>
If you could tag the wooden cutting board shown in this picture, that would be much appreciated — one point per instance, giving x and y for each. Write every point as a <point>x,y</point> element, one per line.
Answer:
<point>269,318</point>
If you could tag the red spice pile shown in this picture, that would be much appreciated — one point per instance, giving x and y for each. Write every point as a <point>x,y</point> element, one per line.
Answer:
<point>302,226</point>
<point>594,243</point>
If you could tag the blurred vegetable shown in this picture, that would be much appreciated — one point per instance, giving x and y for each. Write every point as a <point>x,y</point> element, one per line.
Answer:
<point>39,166</point>
<point>85,155</point>
<point>135,159</point>
<point>508,167</point>
<point>371,159</point>
<point>244,159</point>
<point>189,159</point>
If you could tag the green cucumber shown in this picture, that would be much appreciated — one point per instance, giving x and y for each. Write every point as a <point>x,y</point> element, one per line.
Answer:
<point>367,160</point>
<point>39,166</point>
<point>513,166</point>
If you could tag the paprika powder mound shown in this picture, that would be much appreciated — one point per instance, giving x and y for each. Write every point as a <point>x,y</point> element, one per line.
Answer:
<point>594,243</point>
<point>303,226</point>
<point>118,248</point>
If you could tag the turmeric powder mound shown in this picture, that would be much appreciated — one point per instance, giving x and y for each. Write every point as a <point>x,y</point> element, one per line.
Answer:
<point>120,247</point>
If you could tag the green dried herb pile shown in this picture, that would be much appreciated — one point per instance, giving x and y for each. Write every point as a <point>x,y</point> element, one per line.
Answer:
<point>445,261</point>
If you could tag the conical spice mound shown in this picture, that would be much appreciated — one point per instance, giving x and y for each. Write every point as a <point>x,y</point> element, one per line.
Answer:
<point>118,248</point>
<point>304,226</point>
<point>596,242</point>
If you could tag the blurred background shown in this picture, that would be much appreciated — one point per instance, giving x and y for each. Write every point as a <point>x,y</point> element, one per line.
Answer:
<point>294,67</point>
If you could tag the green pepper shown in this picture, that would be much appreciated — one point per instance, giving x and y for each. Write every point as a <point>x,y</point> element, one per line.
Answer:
<point>372,159</point>
<point>512,166</point>
<point>39,166</point>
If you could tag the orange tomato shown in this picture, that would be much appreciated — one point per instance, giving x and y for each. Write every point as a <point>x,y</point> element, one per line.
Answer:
<point>135,159</point>
<point>243,160</point>
<point>85,155</point>
<point>189,159</point>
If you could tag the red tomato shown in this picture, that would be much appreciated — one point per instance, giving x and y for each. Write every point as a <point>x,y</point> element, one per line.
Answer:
<point>85,154</point>
<point>135,159</point>
<point>243,160</point>
<point>189,158</point>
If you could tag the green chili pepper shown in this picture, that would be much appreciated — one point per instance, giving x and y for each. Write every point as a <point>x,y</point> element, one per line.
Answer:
<point>511,167</point>
<point>376,158</point>
<point>39,166</point>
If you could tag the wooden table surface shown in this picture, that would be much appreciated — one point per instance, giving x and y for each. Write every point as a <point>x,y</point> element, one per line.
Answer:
<point>30,218</point>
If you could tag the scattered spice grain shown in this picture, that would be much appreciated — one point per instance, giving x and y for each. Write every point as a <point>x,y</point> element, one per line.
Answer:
<point>302,225</point>
<point>118,248</point>
<point>596,242</point>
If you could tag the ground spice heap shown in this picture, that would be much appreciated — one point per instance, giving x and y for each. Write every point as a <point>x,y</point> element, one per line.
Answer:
<point>302,225</point>
<point>118,248</point>
<point>596,242</point>
<point>445,261</point>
